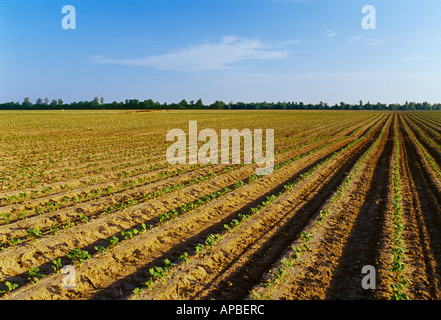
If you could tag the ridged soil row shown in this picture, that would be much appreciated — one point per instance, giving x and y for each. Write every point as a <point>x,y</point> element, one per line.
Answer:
<point>421,218</point>
<point>125,259</point>
<point>113,152</point>
<point>423,136</point>
<point>231,267</point>
<point>93,208</point>
<point>425,125</point>
<point>432,123</point>
<point>57,190</point>
<point>348,233</point>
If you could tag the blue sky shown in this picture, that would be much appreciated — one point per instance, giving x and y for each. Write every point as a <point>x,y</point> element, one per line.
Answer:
<point>239,50</point>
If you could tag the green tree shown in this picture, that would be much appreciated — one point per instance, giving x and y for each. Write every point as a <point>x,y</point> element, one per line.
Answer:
<point>26,103</point>
<point>217,105</point>
<point>183,104</point>
<point>199,104</point>
<point>95,102</point>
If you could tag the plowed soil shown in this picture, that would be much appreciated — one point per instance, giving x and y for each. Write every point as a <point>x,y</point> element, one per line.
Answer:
<point>218,231</point>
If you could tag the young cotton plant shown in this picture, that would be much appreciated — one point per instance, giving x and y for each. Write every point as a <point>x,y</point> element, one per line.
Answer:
<point>10,287</point>
<point>78,256</point>
<point>159,273</point>
<point>34,275</point>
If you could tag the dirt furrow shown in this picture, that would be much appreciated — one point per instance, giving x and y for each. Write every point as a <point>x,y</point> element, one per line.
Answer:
<point>349,239</point>
<point>240,259</point>
<point>421,211</point>
<point>135,253</point>
<point>111,176</point>
<point>18,229</point>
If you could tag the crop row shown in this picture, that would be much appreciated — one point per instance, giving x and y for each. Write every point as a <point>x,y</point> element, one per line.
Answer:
<point>189,206</point>
<point>52,206</point>
<point>280,272</point>
<point>203,248</point>
<point>427,156</point>
<point>32,179</point>
<point>398,266</point>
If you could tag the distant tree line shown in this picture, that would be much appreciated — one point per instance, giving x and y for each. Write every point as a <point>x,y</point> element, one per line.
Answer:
<point>134,104</point>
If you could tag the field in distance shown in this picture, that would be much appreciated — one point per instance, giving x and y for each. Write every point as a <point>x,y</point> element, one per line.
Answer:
<point>350,211</point>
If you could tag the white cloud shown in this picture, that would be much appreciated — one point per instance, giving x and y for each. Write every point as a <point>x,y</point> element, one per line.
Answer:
<point>209,56</point>
<point>330,34</point>
<point>369,41</point>
<point>356,38</point>
<point>414,58</point>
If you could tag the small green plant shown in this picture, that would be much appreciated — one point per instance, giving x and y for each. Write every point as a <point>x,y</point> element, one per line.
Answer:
<point>34,275</point>
<point>256,296</point>
<point>83,218</point>
<point>23,214</point>
<point>100,248</point>
<point>127,234</point>
<point>234,223</point>
<point>68,224</point>
<point>143,228</point>
<point>11,287</point>
<point>56,265</point>
<point>54,229</point>
<point>113,241</point>
<point>306,237</point>
<point>78,256</point>
<point>200,248</point>
<point>287,263</point>
<point>212,239</point>
<point>6,217</point>
<point>184,257</point>
<point>158,273</point>
<point>168,264</point>
<point>34,233</point>
<point>14,241</point>
<point>137,291</point>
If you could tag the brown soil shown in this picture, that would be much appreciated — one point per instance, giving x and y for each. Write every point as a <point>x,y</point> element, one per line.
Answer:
<point>358,232</point>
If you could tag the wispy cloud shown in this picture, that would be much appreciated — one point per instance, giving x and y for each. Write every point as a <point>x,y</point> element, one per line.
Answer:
<point>414,58</point>
<point>369,41</point>
<point>222,55</point>
<point>356,38</point>
<point>330,34</point>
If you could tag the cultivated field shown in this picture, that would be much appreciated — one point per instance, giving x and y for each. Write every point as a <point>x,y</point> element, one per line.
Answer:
<point>93,189</point>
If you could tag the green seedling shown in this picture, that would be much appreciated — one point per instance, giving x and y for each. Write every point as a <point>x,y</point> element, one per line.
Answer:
<point>57,265</point>
<point>137,291</point>
<point>184,257</point>
<point>54,229</point>
<point>6,217</point>
<point>78,256</point>
<point>113,241</point>
<point>83,218</point>
<point>168,264</point>
<point>68,224</point>
<point>306,237</point>
<point>200,248</point>
<point>34,233</point>
<point>127,234</point>
<point>34,275</point>
<point>212,239</point>
<point>11,287</point>
<point>100,249</point>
